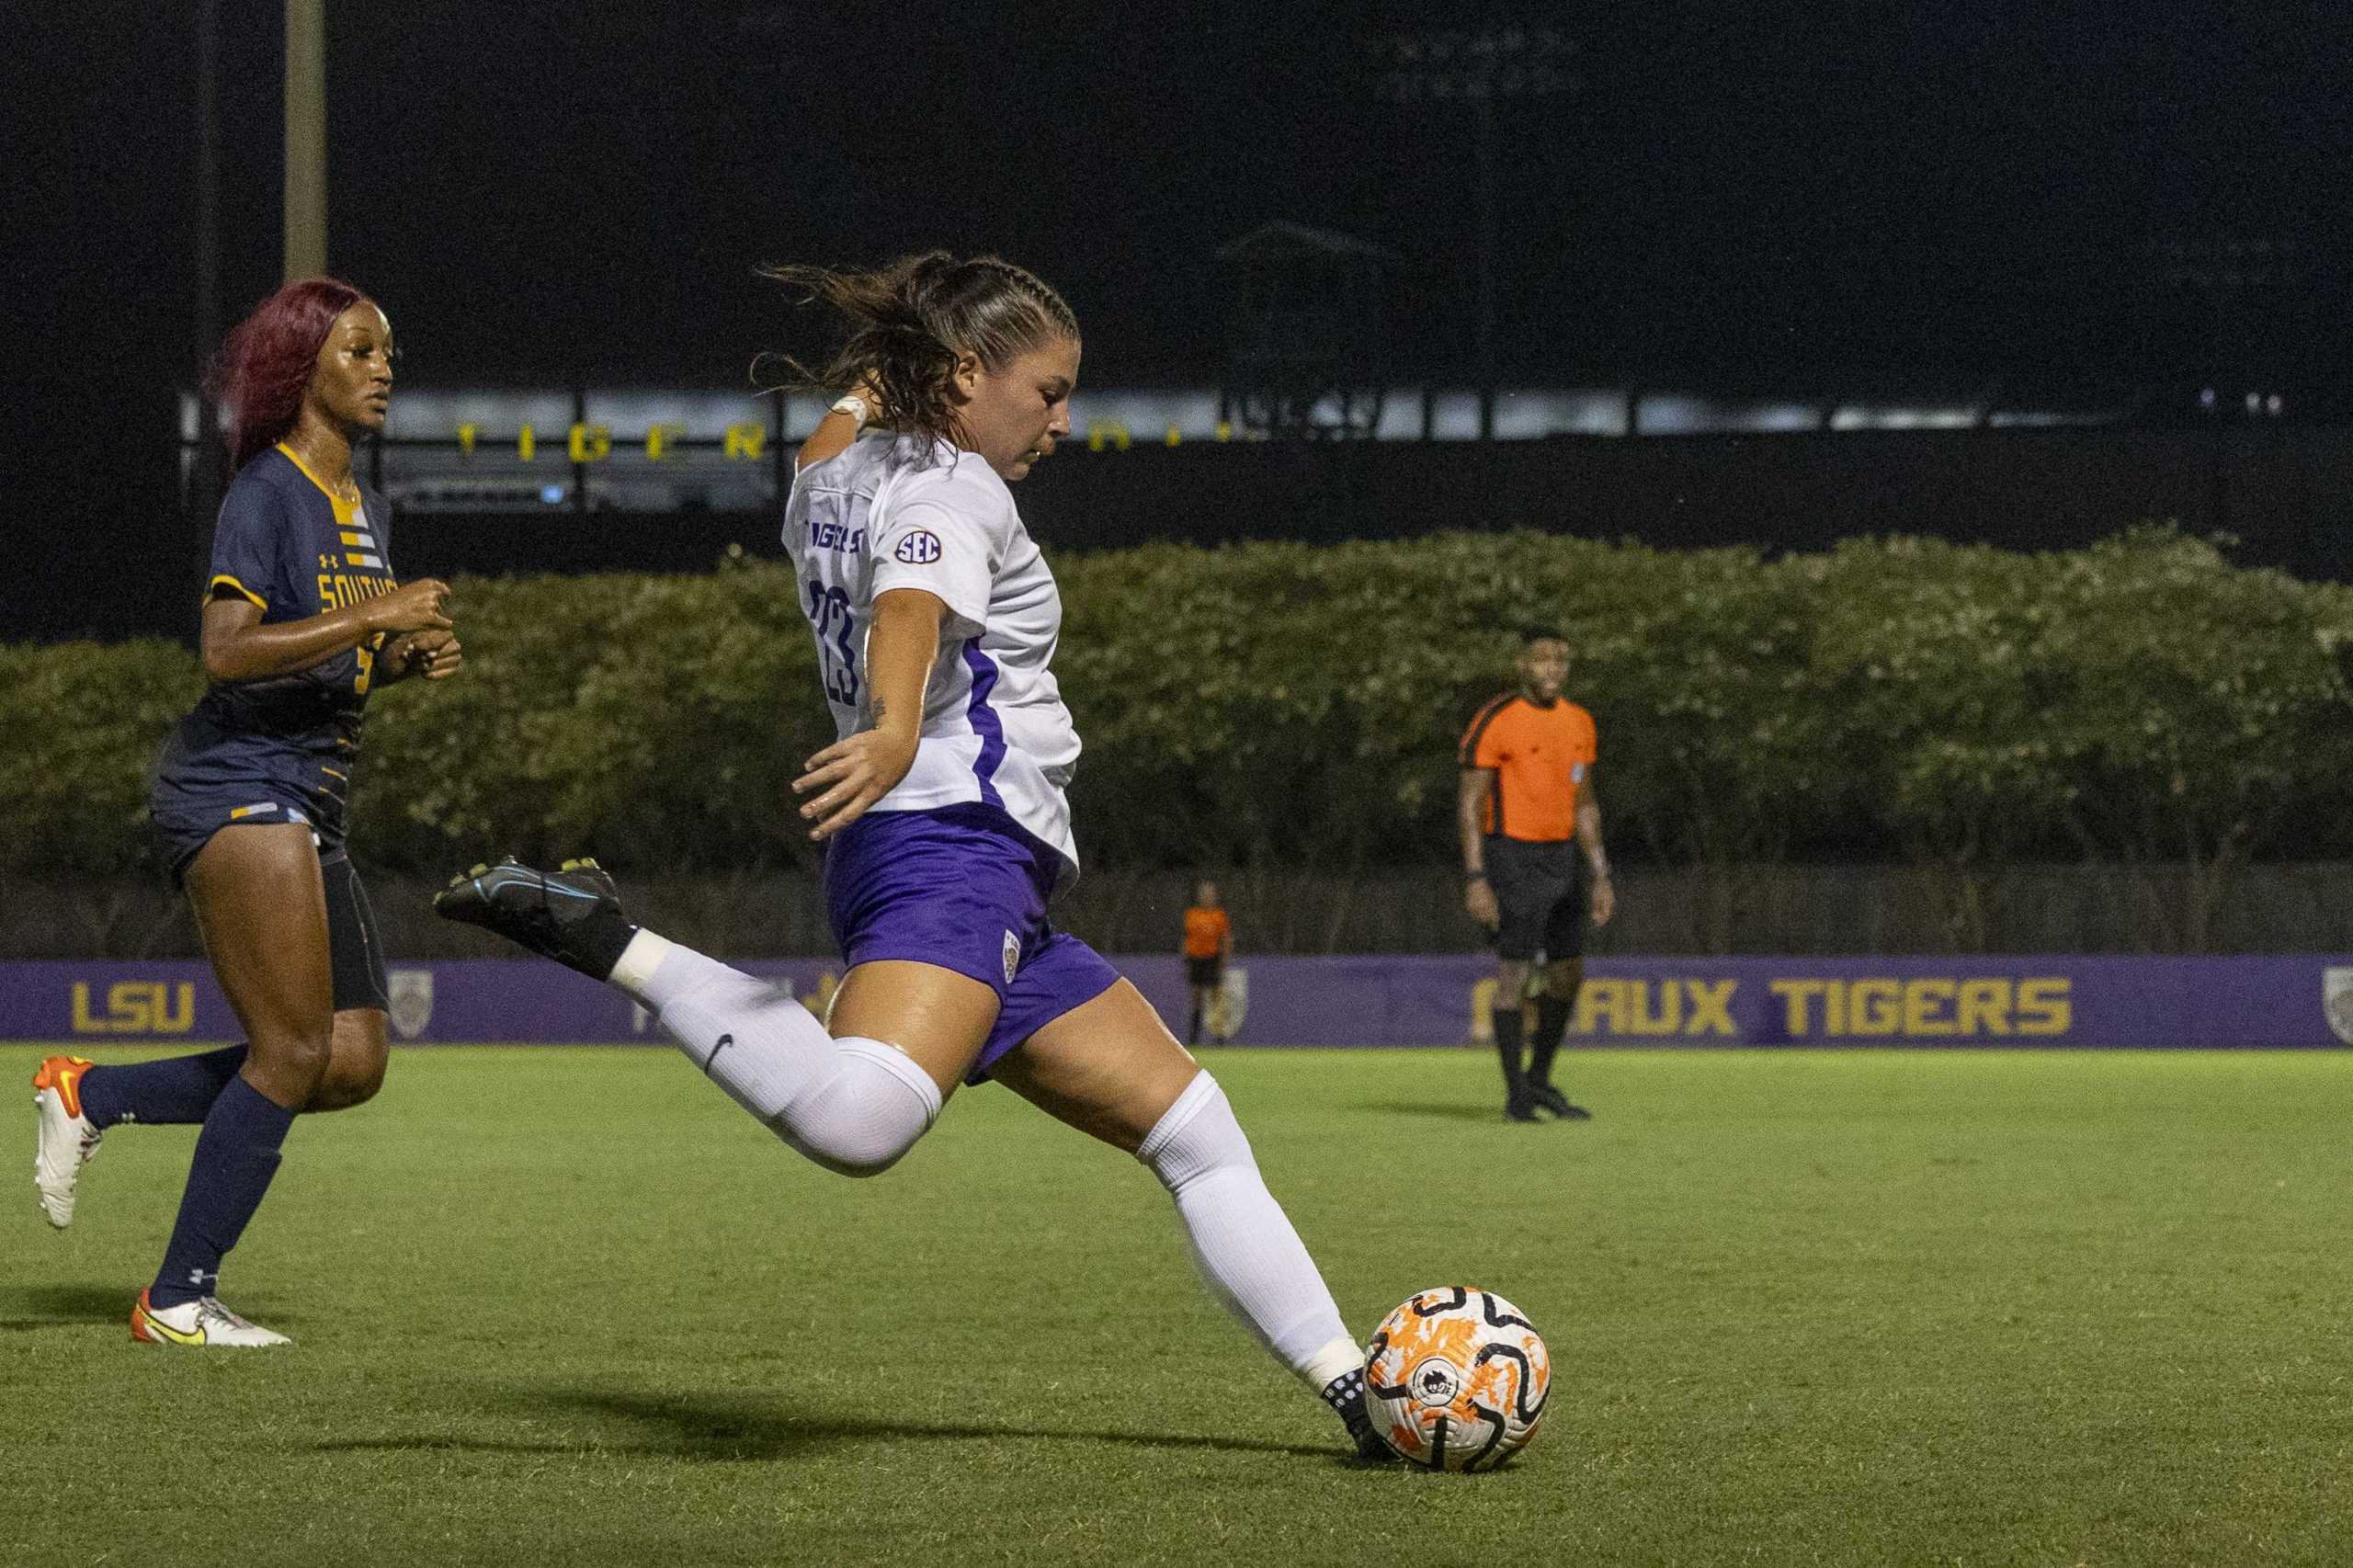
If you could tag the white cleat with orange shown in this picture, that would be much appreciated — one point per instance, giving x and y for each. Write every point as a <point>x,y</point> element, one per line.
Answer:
<point>203,1321</point>
<point>67,1139</point>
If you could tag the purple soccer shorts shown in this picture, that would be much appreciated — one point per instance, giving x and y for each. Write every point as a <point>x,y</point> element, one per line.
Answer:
<point>964,888</point>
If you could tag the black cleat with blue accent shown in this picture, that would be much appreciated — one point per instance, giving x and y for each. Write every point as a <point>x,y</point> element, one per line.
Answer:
<point>572,915</point>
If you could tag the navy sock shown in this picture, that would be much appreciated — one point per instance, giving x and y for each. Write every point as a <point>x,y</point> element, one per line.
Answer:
<point>177,1089</point>
<point>236,1155</point>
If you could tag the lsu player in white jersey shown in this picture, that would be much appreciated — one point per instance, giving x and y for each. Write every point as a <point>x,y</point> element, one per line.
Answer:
<point>942,811</point>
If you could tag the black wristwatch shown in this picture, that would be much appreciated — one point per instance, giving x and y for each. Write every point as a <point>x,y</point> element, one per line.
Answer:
<point>1470,877</point>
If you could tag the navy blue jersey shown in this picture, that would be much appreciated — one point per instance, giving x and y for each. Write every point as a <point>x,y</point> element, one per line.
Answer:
<point>287,742</point>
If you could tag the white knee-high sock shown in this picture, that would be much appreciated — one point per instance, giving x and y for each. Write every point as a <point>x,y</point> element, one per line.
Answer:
<point>852,1105</point>
<point>1243,1241</point>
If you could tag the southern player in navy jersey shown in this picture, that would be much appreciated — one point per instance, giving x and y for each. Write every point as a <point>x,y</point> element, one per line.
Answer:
<point>302,619</point>
<point>942,809</point>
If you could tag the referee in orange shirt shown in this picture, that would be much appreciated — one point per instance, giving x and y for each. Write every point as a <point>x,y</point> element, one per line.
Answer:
<point>1526,792</point>
<point>1208,942</point>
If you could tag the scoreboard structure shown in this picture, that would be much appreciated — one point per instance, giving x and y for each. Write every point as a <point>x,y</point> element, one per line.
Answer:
<point>480,450</point>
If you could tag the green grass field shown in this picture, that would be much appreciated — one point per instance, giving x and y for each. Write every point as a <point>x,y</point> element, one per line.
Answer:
<point>572,1306</point>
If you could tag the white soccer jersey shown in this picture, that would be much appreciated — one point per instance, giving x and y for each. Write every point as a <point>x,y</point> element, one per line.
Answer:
<point>876,517</point>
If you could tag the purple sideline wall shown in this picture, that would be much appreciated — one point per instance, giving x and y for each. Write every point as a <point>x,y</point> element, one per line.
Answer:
<point>1386,1001</point>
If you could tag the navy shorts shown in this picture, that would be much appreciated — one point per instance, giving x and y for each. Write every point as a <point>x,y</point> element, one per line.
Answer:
<point>965,889</point>
<point>185,820</point>
<point>355,950</point>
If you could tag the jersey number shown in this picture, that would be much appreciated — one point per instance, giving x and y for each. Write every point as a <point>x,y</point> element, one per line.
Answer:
<point>829,613</point>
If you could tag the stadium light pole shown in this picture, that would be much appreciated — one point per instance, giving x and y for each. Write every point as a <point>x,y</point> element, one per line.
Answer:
<point>203,477</point>
<point>1477,66</point>
<point>306,138</point>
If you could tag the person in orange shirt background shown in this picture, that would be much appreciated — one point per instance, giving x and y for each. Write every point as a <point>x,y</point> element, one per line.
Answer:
<point>1527,804</point>
<point>1208,942</point>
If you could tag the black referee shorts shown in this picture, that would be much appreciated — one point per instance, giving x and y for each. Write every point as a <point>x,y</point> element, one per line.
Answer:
<point>1540,891</point>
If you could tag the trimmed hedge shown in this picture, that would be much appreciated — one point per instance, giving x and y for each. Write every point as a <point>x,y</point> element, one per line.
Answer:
<point>1272,704</point>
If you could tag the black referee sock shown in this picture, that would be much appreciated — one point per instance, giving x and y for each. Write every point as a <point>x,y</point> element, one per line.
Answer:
<point>1551,1023</point>
<point>1507,1046</point>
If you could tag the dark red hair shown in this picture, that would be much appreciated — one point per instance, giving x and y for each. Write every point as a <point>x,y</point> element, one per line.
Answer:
<point>264,366</point>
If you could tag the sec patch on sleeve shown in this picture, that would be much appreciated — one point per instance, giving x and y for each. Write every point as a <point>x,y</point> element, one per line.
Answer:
<point>920,548</point>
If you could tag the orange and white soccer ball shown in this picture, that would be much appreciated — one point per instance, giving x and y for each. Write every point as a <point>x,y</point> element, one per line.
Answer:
<point>1456,1379</point>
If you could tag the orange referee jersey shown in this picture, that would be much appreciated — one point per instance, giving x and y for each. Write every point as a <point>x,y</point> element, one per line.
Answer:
<point>1539,755</point>
<point>1205,932</point>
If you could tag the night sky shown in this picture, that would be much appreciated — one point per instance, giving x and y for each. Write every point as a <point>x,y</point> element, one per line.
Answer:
<point>1871,194</point>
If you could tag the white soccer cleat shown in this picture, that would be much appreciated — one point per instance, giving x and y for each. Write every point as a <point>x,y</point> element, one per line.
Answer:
<point>203,1321</point>
<point>66,1141</point>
